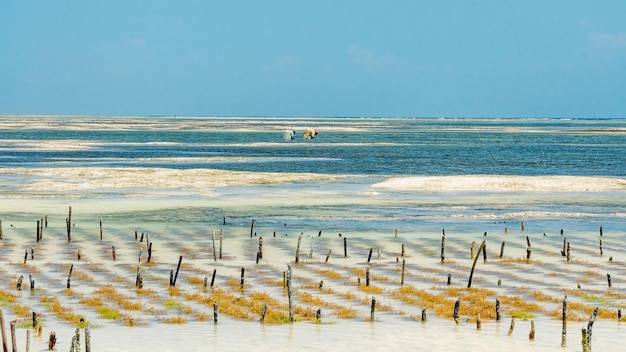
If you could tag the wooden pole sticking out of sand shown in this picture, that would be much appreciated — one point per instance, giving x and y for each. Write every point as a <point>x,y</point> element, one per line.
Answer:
<point>511,326</point>
<point>328,256</point>
<point>564,246</point>
<point>69,277</point>
<point>443,241</point>
<point>485,252</point>
<point>472,250</point>
<point>215,307</point>
<point>402,277</point>
<point>180,260</point>
<point>522,225</point>
<point>564,319</point>
<point>101,228</point>
<point>455,312</point>
<point>469,283</point>
<point>251,227</point>
<point>69,224</point>
<point>367,276</point>
<point>600,230</point>
<point>19,282</point>
<point>5,348</point>
<point>345,247</point>
<point>149,251</point>
<point>289,292</point>
<point>0,229</point>
<point>87,339</point>
<point>423,314</point>
<point>373,309</point>
<point>527,248</point>
<point>27,340</point>
<point>608,279</point>
<point>243,270</point>
<point>221,240</point>
<point>592,319</point>
<point>585,340</point>
<point>402,252</point>
<point>261,247</point>
<point>497,309</point>
<point>568,256</point>
<point>263,311</point>
<point>478,323</point>
<point>38,231</point>
<point>531,335</point>
<point>213,239</point>
<point>369,256</point>
<point>298,248</point>
<point>502,249</point>
<point>13,338</point>
<point>113,252</point>
<point>213,277</point>
<point>396,232</point>
<point>449,282</point>
<point>601,246</point>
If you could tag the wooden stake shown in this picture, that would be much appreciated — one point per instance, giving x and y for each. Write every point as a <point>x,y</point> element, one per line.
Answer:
<point>251,227</point>
<point>289,293</point>
<point>469,283</point>
<point>5,348</point>
<point>608,279</point>
<point>367,277</point>
<point>512,326</point>
<point>149,252</point>
<point>402,277</point>
<point>369,256</point>
<point>263,311</point>
<point>472,250</point>
<point>455,313</point>
<point>221,240</point>
<point>101,228</point>
<point>213,239</point>
<point>568,256</point>
<point>328,256</point>
<point>87,339</point>
<point>180,260</point>
<point>443,240</point>
<point>449,279</point>
<point>298,248</point>
<point>478,324</point>
<point>497,309</point>
<point>0,229</point>
<point>585,340</point>
<point>213,277</point>
<point>592,319</point>
<point>502,249</point>
<point>27,340</point>
<point>531,335</point>
<point>423,314</point>
<point>564,324</point>
<point>373,309</point>
<point>215,312</point>
<point>69,224</point>
<point>522,225</point>
<point>113,252</point>
<point>13,338</point>
<point>484,252</point>
<point>402,252</point>
<point>345,247</point>
<point>52,340</point>
<point>243,270</point>
<point>396,232</point>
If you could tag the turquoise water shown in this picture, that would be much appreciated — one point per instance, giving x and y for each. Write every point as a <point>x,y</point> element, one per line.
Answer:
<point>375,147</point>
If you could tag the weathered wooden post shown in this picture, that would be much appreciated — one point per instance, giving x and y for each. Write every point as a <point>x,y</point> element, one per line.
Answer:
<point>478,322</point>
<point>367,277</point>
<point>0,229</point>
<point>402,277</point>
<point>472,250</point>
<point>5,348</point>
<point>13,338</point>
<point>423,314</point>
<point>215,312</point>
<point>401,253</point>
<point>511,326</point>
<point>485,252</point>
<point>328,256</point>
<point>180,260</point>
<point>263,311</point>
<point>289,293</point>
<point>251,227</point>
<point>502,249</point>
<point>68,222</point>
<point>527,248</point>
<point>568,256</point>
<point>455,312</point>
<point>449,281</point>
<point>213,277</point>
<point>261,247</point>
<point>531,335</point>
<point>564,324</point>
<point>213,239</point>
<point>87,339</point>
<point>608,279</point>
<point>469,283</point>
<point>113,252</point>
<point>221,240</point>
<point>101,228</point>
<point>38,231</point>
<point>69,277</point>
<point>497,309</point>
<point>369,256</point>
<point>318,316</point>
<point>345,247</point>
<point>443,240</point>
<point>592,319</point>
<point>27,340</point>
<point>585,340</point>
<point>242,278</point>
<point>298,248</point>
<point>373,309</point>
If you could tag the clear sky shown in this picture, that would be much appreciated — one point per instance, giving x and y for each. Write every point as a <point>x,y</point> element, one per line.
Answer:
<point>532,58</point>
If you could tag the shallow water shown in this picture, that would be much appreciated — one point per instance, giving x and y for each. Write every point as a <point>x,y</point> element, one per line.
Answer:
<point>173,193</point>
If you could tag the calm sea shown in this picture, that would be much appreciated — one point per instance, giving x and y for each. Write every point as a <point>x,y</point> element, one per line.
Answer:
<point>377,147</point>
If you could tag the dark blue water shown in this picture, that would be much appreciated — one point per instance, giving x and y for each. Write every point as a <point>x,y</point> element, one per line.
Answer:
<point>394,147</point>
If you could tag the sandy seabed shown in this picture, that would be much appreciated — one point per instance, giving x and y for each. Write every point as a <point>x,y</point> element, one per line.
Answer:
<point>177,211</point>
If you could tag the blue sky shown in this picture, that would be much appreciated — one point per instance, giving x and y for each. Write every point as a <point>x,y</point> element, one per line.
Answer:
<point>314,58</point>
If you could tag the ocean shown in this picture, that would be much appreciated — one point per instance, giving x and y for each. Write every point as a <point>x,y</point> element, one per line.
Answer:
<point>379,184</point>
